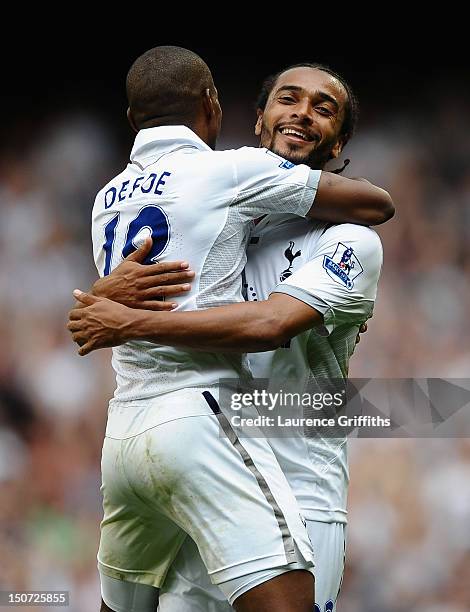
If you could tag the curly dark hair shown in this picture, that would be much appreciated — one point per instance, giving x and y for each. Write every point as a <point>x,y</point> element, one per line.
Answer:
<point>351,111</point>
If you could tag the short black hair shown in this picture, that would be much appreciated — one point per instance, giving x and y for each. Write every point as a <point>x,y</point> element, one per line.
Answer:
<point>164,86</point>
<point>351,111</point>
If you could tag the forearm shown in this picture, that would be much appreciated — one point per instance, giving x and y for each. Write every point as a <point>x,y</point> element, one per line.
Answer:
<point>247,327</point>
<point>344,200</point>
<point>238,328</point>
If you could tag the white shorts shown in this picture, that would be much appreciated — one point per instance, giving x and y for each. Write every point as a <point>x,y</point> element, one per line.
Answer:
<point>168,471</point>
<point>187,587</point>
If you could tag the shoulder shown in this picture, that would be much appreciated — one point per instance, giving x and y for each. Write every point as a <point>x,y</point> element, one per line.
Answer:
<point>348,246</point>
<point>357,232</point>
<point>263,158</point>
<point>360,236</point>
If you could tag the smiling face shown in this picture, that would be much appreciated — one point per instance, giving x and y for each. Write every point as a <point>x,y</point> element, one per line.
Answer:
<point>303,117</point>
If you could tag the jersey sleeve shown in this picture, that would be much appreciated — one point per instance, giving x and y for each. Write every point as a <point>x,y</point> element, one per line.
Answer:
<point>267,183</point>
<point>341,276</point>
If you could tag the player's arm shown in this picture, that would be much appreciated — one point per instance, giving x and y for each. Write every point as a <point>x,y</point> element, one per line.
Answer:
<point>345,200</point>
<point>246,327</point>
<point>266,183</point>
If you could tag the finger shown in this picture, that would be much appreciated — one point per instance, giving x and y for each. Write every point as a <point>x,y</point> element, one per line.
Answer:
<point>156,305</point>
<point>358,339</point>
<point>74,326</point>
<point>79,338</point>
<point>167,266</point>
<point>85,298</point>
<point>85,349</point>
<point>363,328</point>
<point>169,278</point>
<point>141,253</point>
<point>75,314</point>
<point>166,291</point>
<point>79,305</point>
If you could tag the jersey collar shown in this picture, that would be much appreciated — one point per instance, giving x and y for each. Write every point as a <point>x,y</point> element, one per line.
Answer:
<point>155,141</point>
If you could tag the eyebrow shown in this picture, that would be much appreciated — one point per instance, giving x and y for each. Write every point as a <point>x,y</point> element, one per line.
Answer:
<point>321,94</point>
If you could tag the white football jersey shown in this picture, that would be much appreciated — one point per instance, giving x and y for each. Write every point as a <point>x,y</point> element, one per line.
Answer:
<point>198,205</point>
<point>335,269</point>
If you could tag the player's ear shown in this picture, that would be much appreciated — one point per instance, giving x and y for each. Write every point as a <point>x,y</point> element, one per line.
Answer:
<point>130,118</point>
<point>210,101</point>
<point>259,122</point>
<point>336,150</point>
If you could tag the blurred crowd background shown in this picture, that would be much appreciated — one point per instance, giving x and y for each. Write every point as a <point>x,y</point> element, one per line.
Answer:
<point>409,534</point>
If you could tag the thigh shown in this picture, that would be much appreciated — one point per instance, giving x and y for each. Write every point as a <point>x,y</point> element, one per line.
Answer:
<point>138,541</point>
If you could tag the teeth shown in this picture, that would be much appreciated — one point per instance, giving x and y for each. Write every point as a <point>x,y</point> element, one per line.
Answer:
<point>294,133</point>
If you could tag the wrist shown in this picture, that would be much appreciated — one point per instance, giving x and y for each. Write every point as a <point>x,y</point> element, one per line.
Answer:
<point>142,325</point>
<point>97,288</point>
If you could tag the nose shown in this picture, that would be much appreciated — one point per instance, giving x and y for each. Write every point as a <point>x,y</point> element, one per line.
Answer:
<point>303,111</point>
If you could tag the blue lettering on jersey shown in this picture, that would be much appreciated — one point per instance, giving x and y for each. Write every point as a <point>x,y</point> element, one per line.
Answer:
<point>144,184</point>
<point>152,181</point>
<point>287,165</point>
<point>110,237</point>
<point>137,182</point>
<point>123,190</point>
<point>343,267</point>
<point>161,182</point>
<point>109,197</point>
<point>154,220</point>
<point>151,221</point>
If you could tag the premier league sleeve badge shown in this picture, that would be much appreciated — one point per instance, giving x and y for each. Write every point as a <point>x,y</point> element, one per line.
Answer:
<point>343,267</point>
